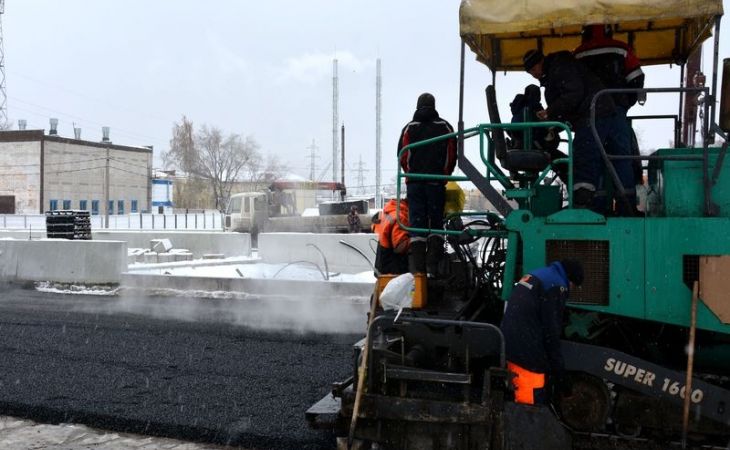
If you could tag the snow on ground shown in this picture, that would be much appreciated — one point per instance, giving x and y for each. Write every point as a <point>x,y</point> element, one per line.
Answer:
<point>303,270</point>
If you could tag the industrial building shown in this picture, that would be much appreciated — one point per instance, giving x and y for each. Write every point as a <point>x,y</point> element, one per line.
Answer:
<point>41,172</point>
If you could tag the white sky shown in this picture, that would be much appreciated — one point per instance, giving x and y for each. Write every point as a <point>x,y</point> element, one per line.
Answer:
<point>262,68</point>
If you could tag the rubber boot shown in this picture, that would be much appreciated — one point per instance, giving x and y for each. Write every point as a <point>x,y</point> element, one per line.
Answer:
<point>417,257</point>
<point>434,255</point>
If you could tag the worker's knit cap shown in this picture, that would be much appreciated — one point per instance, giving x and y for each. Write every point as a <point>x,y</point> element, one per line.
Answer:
<point>574,270</point>
<point>425,100</point>
<point>531,59</point>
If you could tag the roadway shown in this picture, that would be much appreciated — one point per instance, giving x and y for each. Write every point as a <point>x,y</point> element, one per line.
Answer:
<point>140,365</point>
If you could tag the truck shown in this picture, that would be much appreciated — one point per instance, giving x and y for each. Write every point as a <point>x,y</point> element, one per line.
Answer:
<point>279,209</point>
<point>646,338</point>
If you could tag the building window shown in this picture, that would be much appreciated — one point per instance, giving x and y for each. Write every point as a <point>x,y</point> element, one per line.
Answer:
<point>120,207</point>
<point>95,207</point>
<point>134,206</point>
<point>110,207</point>
<point>53,205</point>
<point>67,204</point>
<point>82,205</point>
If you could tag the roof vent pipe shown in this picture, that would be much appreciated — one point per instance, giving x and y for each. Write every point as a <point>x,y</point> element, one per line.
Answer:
<point>54,127</point>
<point>77,133</point>
<point>22,124</point>
<point>104,134</point>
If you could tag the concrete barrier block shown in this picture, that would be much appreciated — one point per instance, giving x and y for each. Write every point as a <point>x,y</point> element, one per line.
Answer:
<point>63,261</point>
<point>197,242</point>
<point>160,245</point>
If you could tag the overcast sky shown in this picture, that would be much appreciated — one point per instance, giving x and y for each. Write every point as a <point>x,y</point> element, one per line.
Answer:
<point>260,68</point>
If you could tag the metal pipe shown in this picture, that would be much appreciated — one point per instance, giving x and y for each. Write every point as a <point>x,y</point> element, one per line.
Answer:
<point>460,142</point>
<point>709,132</point>
<point>678,127</point>
<point>690,363</point>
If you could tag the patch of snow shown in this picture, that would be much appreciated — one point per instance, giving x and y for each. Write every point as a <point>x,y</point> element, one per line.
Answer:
<point>65,288</point>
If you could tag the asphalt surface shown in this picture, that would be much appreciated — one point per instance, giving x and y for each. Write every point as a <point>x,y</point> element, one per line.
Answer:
<point>83,359</point>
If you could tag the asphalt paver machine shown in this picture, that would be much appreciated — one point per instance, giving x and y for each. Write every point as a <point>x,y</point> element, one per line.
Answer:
<point>647,335</point>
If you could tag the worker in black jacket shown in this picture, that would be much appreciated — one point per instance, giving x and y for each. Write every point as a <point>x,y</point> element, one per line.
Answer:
<point>532,326</point>
<point>569,90</point>
<point>426,197</point>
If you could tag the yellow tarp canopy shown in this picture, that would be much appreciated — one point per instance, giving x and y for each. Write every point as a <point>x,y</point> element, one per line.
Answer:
<point>660,31</point>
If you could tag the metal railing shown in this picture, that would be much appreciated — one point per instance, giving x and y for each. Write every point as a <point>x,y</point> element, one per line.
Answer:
<point>492,172</point>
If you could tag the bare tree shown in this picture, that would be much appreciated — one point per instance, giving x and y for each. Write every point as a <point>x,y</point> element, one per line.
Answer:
<point>222,160</point>
<point>209,155</point>
<point>182,154</point>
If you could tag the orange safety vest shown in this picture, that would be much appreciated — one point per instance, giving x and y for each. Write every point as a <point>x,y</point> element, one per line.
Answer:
<point>525,383</point>
<point>390,234</point>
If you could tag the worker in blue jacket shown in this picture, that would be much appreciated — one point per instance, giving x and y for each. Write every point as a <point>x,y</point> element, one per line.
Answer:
<point>532,326</point>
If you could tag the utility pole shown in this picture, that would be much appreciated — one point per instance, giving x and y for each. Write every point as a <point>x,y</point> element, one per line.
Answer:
<point>312,156</point>
<point>378,169</point>
<point>342,171</point>
<point>335,118</point>
<point>106,190</point>
<point>3,92</point>
<point>105,140</point>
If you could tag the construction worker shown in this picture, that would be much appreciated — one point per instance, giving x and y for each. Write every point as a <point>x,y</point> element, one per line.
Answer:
<point>618,67</point>
<point>426,197</point>
<point>612,61</point>
<point>569,90</point>
<point>353,220</point>
<point>532,326</point>
<point>393,241</point>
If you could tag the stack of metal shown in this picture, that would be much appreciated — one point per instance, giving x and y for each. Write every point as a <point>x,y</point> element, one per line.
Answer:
<point>68,224</point>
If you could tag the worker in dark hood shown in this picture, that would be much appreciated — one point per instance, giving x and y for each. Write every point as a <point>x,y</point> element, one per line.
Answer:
<point>524,108</point>
<point>393,241</point>
<point>569,90</point>
<point>426,197</point>
<point>532,326</point>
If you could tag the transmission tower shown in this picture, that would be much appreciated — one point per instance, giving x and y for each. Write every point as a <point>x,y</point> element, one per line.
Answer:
<point>312,156</point>
<point>361,170</point>
<point>3,91</point>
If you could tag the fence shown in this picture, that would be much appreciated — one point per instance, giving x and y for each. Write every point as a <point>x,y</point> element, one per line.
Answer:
<point>191,221</point>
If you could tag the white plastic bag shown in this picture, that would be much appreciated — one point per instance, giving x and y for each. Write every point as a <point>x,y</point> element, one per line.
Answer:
<point>398,294</point>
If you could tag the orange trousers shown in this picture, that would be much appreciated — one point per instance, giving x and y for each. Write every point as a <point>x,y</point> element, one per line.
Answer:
<point>525,383</point>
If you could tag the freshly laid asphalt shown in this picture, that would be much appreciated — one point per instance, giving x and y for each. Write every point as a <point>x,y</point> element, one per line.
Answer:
<point>80,359</point>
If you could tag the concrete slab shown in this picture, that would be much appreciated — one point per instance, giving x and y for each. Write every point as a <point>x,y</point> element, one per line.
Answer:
<point>198,242</point>
<point>63,261</point>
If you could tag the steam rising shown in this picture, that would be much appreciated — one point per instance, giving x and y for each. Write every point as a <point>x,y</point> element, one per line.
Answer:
<point>298,312</point>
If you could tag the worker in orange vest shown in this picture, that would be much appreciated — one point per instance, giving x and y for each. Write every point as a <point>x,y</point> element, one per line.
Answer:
<point>393,241</point>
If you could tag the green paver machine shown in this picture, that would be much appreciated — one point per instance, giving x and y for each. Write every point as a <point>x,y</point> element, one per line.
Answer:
<point>647,336</point>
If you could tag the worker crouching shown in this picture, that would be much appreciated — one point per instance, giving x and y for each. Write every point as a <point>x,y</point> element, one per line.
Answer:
<point>532,327</point>
<point>393,241</point>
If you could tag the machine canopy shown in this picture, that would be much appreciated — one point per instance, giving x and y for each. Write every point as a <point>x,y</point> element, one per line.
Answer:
<point>660,31</point>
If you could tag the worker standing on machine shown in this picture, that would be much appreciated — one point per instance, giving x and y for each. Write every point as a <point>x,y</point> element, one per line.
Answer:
<point>426,197</point>
<point>532,326</point>
<point>569,89</point>
<point>391,256</point>
<point>618,67</point>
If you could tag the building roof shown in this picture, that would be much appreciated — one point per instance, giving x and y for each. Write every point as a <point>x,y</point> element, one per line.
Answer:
<point>38,135</point>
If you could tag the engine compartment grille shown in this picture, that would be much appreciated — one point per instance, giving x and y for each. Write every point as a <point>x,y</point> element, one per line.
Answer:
<point>595,259</point>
